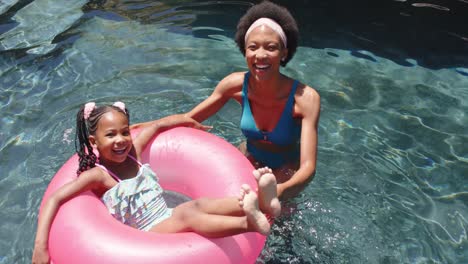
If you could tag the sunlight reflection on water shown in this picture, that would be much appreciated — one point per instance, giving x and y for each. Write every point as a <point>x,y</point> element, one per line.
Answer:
<point>390,184</point>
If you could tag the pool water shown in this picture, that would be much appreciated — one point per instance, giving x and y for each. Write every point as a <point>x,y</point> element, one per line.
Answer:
<point>391,183</point>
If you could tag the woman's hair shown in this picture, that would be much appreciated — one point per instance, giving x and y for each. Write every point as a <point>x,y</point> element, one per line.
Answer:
<point>275,12</point>
<point>87,127</point>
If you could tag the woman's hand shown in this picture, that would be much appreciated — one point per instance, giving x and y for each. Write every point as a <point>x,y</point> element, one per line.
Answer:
<point>180,120</point>
<point>149,129</point>
<point>40,255</point>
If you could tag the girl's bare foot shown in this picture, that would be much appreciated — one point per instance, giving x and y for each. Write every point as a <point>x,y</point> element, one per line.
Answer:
<point>241,196</point>
<point>254,216</point>
<point>268,197</point>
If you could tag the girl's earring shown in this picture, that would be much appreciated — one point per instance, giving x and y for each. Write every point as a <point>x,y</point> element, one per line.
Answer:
<point>283,59</point>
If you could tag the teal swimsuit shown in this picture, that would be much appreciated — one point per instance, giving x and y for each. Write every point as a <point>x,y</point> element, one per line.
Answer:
<point>286,134</point>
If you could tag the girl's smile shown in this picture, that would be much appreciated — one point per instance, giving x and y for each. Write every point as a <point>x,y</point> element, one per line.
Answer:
<point>112,138</point>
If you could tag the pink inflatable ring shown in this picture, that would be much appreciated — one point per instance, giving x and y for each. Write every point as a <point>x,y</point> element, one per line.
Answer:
<point>187,161</point>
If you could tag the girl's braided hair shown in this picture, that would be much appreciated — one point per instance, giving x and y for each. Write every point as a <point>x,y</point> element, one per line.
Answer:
<point>87,127</point>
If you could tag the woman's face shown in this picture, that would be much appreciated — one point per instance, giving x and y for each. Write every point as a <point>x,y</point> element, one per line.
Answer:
<point>263,52</point>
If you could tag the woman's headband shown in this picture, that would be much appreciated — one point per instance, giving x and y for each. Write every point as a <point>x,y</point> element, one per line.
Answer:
<point>271,24</point>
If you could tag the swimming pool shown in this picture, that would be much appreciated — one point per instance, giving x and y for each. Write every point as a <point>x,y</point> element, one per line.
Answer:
<point>391,183</point>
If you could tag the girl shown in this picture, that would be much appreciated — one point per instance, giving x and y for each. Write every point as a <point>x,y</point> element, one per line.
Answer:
<point>131,192</point>
<point>279,114</point>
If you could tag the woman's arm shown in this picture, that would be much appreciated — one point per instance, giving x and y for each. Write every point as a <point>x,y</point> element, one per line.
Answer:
<point>88,180</point>
<point>225,90</point>
<point>309,107</point>
<point>150,129</point>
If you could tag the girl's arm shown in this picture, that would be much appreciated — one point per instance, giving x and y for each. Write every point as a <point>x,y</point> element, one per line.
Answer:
<point>86,181</point>
<point>309,105</point>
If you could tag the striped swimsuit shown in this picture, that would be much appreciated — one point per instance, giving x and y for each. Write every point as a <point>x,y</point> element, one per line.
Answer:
<point>137,202</point>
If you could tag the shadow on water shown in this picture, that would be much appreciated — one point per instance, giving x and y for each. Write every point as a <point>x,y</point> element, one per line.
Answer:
<point>433,35</point>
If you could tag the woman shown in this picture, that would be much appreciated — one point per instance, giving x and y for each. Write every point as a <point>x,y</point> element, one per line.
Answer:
<point>279,114</point>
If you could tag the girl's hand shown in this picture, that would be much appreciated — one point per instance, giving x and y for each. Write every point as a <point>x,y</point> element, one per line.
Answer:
<point>40,256</point>
<point>180,120</point>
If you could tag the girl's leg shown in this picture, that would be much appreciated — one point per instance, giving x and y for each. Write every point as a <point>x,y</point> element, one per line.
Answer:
<point>267,198</point>
<point>191,216</point>
<point>231,206</point>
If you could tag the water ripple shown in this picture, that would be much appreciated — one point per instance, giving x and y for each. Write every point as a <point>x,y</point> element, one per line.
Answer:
<point>6,4</point>
<point>438,7</point>
<point>39,23</point>
<point>391,171</point>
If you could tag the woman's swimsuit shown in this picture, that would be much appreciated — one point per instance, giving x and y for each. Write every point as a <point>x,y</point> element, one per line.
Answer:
<point>285,135</point>
<point>137,202</point>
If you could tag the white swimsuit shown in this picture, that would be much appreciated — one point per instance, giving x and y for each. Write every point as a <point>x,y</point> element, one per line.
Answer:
<point>137,202</point>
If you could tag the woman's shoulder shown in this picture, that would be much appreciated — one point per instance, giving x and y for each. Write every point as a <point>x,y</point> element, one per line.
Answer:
<point>307,99</point>
<point>306,93</point>
<point>234,78</point>
<point>232,82</point>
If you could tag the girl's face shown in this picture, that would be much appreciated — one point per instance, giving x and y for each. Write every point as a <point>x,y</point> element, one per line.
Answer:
<point>263,52</point>
<point>112,138</point>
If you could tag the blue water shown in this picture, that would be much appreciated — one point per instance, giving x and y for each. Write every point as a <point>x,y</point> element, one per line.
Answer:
<point>391,183</point>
